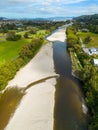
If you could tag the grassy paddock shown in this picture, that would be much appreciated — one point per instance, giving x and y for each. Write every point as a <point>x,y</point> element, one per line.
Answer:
<point>15,54</point>
<point>93,42</point>
<point>10,49</point>
<point>9,69</point>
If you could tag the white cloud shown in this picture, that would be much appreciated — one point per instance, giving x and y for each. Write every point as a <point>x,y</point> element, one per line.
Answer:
<point>45,8</point>
<point>48,1</point>
<point>22,1</point>
<point>76,11</point>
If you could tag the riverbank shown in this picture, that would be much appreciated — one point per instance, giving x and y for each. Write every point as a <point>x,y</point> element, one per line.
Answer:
<point>38,78</point>
<point>76,66</point>
<point>36,69</point>
<point>89,76</point>
<point>58,35</point>
<point>36,107</point>
<point>70,111</point>
<point>9,69</point>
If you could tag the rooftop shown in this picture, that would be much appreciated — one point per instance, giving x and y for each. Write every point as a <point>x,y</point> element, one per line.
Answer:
<point>95,62</point>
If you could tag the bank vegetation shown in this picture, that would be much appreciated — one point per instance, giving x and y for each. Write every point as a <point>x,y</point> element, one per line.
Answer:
<point>84,69</point>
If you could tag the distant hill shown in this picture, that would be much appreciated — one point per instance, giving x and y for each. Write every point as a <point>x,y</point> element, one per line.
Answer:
<point>93,19</point>
<point>41,19</point>
<point>54,18</point>
<point>48,19</point>
<point>3,18</point>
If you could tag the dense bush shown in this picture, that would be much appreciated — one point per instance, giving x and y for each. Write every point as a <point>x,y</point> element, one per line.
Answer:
<point>72,39</point>
<point>33,30</point>
<point>26,35</point>
<point>28,50</point>
<point>11,36</point>
<point>87,39</point>
<point>89,75</point>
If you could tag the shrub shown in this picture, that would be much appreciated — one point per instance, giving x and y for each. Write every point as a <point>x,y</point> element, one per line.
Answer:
<point>87,39</point>
<point>26,35</point>
<point>11,36</point>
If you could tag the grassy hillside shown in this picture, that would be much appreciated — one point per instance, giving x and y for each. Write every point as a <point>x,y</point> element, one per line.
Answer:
<point>88,19</point>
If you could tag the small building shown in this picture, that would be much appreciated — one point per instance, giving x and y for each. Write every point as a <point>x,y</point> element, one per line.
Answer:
<point>95,61</point>
<point>84,30</point>
<point>93,51</point>
<point>18,24</point>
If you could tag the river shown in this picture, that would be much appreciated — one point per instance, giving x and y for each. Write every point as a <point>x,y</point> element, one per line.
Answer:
<point>49,99</point>
<point>68,111</point>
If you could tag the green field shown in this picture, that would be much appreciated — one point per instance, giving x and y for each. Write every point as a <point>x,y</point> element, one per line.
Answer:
<point>94,37</point>
<point>10,49</point>
<point>21,33</point>
<point>38,32</point>
<point>1,34</point>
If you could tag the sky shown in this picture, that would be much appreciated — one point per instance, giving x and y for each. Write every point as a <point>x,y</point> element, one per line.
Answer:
<point>47,8</point>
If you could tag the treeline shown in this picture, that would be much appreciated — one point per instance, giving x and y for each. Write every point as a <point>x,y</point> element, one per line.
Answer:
<point>47,25</point>
<point>91,27</point>
<point>88,74</point>
<point>5,27</point>
<point>72,39</point>
<point>89,22</point>
<point>9,69</point>
<point>92,19</point>
<point>40,24</point>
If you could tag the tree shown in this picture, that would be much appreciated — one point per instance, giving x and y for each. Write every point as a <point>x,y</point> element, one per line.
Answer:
<point>11,36</point>
<point>26,35</point>
<point>96,29</point>
<point>33,30</point>
<point>87,39</point>
<point>72,41</point>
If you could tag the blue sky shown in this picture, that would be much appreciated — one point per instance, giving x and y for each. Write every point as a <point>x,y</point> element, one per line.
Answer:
<point>47,8</point>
